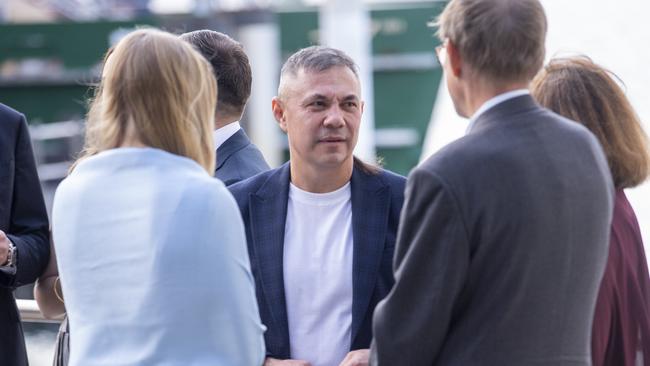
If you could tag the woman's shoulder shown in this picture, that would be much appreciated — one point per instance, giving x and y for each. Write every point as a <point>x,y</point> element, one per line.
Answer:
<point>204,189</point>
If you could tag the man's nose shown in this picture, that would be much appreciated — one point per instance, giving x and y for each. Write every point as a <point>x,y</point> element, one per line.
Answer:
<point>334,117</point>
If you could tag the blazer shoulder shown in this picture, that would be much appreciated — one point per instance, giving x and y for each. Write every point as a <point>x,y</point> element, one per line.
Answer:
<point>396,185</point>
<point>241,190</point>
<point>252,152</point>
<point>8,113</point>
<point>396,182</point>
<point>248,161</point>
<point>11,118</point>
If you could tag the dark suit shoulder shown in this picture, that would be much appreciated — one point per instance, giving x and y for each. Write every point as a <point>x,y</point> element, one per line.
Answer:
<point>241,190</point>
<point>396,182</point>
<point>9,113</point>
<point>10,118</point>
<point>241,165</point>
<point>392,178</point>
<point>238,159</point>
<point>532,134</point>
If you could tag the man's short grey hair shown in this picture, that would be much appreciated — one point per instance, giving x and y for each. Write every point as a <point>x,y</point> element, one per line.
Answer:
<point>502,40</point>
<point>316,59</point>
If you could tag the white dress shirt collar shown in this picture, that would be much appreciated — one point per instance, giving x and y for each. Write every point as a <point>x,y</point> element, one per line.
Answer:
<point>224,133</point>
<point>490,103</point>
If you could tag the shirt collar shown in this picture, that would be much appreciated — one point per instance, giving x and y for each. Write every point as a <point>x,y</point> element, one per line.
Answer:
<point>494,102</point>
<point>224,133</point>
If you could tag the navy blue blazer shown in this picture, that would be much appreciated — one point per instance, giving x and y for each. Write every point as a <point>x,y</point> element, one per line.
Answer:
<point>238,158</point>
<point>23,218</point>
<point>376,204</point>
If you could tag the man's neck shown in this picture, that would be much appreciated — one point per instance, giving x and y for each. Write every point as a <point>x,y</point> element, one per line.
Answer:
<point>319,179</point>
<point>476,94</point>
<point>221,122</point>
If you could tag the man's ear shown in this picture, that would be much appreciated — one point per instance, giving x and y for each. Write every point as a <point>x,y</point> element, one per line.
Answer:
<point>362,105</point>
<point>278,113</point>
<point>454,59</point>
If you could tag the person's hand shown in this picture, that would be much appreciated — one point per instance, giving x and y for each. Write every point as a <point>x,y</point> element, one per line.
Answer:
<point>275,362</point>
<point>360,357</point>
<point>4,248</point>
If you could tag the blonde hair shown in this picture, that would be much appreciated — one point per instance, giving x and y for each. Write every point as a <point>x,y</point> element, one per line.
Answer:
<point>583,91</point>
<point>158,89</point>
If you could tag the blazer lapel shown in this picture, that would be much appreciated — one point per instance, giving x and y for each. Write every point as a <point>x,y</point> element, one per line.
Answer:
<point>370,209</point>
<point>268,213</point>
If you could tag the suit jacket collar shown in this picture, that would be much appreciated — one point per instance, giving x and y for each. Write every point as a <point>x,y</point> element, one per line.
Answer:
<point>233,144</point>
<point>503,113</point>
<point>268,214</point>
<point>370,210</point>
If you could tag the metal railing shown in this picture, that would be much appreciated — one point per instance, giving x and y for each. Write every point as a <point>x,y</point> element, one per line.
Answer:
<point>70,137</point>
<point>29,312</point>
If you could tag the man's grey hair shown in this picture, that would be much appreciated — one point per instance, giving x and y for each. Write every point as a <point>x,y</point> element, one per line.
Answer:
<point>315,59</point>
<point>501,40</point>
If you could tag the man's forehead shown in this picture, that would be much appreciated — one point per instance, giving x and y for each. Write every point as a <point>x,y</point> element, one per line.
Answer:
<point>338,79</point>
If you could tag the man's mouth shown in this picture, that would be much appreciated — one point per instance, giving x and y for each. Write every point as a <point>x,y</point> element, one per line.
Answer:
<point>332,139</point>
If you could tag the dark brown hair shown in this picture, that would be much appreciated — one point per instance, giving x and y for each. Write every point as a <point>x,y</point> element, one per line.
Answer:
<point>231,68</point>
<point>583,91</point>
<point>502,40</point>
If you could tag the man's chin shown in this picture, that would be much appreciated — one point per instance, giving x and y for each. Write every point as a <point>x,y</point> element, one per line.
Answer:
<point>333,160</point>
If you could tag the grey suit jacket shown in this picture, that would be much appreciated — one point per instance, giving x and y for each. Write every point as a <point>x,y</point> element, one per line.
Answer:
<point>238,159</point>
<point>502,245</point>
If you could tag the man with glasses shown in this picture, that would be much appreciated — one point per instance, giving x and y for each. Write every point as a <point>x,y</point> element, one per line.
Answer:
<point>504,233</point>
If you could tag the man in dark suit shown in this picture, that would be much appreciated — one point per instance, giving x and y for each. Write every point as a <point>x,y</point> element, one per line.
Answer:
<point>321,229</point>
<point>504,233</point>
<point>24,229</point>
<point>237,157</point>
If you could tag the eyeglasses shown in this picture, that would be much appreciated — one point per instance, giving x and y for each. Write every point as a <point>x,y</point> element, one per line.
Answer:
<point>441,52</point>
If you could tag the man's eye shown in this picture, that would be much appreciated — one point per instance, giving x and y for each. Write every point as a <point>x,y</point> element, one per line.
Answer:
<point>351,104</point>
<point>317,103</point>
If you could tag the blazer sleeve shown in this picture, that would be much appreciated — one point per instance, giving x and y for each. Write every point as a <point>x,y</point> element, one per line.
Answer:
<point>431,261</point>
<point>29,227</point>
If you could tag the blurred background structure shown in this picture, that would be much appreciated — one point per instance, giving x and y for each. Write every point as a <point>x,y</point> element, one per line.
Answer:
<point>51,53</point>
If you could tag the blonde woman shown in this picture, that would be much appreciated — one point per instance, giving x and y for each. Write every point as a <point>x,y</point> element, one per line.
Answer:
<point>150,248</point>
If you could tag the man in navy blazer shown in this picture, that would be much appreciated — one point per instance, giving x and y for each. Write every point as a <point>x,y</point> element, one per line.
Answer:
<point>24,229</point>
<point>321,229</point>
<point>237,157</point>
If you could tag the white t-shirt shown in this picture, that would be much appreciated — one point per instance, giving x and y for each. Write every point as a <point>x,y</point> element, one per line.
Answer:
<point>318,274</point>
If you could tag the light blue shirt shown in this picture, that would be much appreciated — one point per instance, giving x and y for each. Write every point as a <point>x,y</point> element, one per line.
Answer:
<point>493,102</point>
<point>153,263</point>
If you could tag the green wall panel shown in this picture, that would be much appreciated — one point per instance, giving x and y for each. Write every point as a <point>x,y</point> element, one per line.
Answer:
<point>68,51</point>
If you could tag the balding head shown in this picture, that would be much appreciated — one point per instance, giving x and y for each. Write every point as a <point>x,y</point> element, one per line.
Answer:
<point>501,40</point>
<point>313,59</point>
